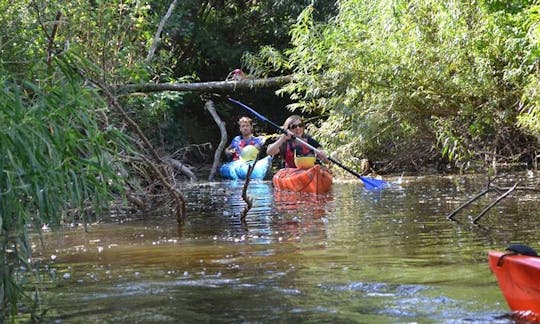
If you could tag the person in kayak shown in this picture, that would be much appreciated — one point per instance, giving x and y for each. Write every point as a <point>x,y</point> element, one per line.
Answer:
<point>245,138</point>
<point>289,149</point>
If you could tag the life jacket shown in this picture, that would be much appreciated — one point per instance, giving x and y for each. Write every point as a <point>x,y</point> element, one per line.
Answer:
<point>292,147</point>
<point>239,143</point>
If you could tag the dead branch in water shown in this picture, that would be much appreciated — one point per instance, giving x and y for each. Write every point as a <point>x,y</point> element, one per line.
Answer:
<point>470,201</point>
<point>501,197</point>
<point>245,197</point>
<point>502,191</point>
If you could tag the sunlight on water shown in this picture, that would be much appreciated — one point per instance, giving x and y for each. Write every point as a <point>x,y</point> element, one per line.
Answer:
<point>387,256</point>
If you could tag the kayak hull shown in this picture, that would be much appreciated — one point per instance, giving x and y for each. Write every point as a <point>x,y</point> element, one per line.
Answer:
<point>316,180</point>
<point>238,169</point>
<point>519,279</point>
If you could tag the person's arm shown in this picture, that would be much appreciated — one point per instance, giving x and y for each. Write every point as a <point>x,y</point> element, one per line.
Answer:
<point>259,142</point>
<point>321,154</point>
<point>231,149</point>
<point>273,148</point>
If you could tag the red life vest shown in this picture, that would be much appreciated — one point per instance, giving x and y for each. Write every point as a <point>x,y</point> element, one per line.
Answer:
<point>292,146</point>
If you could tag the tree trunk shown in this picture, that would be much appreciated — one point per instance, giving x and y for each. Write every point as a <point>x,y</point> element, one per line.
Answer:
<point>217,155</point>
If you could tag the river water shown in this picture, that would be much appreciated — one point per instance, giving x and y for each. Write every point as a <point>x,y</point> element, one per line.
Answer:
<point>350,256</point>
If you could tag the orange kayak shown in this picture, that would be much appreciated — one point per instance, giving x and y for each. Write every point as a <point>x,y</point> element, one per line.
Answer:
<point>519,280</point>
<point>317,179</point>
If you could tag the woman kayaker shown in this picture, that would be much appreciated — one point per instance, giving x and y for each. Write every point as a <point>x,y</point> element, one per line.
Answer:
<point>244,139</point>
<point>288,148</point>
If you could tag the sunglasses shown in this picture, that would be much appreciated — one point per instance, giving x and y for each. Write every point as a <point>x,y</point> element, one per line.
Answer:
<point>296,126</point>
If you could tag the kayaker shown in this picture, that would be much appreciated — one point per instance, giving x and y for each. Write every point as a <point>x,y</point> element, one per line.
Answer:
<point>287,147</point>
<point>245,138</point>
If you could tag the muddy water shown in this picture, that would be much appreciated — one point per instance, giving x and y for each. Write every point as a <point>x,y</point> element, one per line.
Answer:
<point>351,256</point>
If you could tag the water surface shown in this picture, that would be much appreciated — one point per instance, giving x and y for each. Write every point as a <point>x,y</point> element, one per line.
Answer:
<point>350,256</point>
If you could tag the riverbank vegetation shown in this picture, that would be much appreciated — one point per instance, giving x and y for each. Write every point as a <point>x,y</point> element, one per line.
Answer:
<point>415,83</point>
<point>408,84</point>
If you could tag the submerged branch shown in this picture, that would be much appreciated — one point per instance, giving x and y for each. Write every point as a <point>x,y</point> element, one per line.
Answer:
<point>502,191</point>
<point>501,197</point>
<point>470,201</point>
<point>245,197</point>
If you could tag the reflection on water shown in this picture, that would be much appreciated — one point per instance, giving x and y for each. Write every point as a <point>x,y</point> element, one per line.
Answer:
<point>351,255</point>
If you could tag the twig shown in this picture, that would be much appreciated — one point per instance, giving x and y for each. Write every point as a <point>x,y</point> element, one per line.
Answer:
<point>509,191</point>
<point>50,47</point>
<point>470,201</point>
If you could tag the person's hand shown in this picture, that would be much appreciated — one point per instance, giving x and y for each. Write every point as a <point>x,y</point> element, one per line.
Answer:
<point>322,156</point>
<point>288,136</point>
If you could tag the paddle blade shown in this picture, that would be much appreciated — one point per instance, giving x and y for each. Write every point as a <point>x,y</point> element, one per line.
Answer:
<point>372,183</point>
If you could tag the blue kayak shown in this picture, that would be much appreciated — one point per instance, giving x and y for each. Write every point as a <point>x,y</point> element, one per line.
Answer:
<point>238,169</point>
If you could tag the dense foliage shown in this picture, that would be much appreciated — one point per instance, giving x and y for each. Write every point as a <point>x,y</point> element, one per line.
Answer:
<point>405,82</point>
<point>412,82</point>
<point>56,163</point>
<point>60,161</point>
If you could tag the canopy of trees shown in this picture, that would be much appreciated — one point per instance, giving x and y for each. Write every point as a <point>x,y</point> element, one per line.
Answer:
<point>407,83</point>
<point>422,81</point>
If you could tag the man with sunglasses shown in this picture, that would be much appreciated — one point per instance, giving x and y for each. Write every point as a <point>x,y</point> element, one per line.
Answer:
<point>288,148</point>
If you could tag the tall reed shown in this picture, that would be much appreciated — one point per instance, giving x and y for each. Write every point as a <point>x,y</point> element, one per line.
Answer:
<point>57,163</point>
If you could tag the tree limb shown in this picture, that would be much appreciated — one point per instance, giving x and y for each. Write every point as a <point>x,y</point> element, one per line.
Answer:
<point>509,191</point>
<point>470,201</point>
<point>502,191</point>
<point>157,36</point>
<point>210,87</point>
<point>182,168</point>
<point>248,200</point>
<point>217,154</point>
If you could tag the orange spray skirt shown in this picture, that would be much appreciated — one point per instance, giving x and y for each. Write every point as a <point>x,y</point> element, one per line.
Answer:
<point>317,179</point>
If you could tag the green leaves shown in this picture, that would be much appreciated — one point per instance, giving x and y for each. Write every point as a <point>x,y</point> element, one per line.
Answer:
<point>56,159</point>
<point>424,74</point>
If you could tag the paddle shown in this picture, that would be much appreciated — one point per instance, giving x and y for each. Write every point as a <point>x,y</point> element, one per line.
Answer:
<point>369,183</point>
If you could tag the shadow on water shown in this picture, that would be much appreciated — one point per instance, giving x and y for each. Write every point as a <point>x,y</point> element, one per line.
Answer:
<point>350,256</point>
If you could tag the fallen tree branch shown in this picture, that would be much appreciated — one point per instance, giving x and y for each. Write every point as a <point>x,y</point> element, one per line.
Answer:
<point>502,191</point>
<point>182,168</point>
<point>245,197</point>
<point>501,197</point>
<point>470,201</point>
<point>209,87</point>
